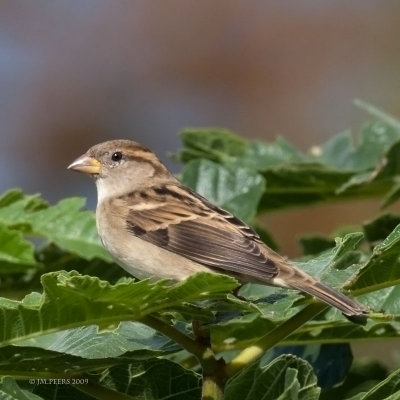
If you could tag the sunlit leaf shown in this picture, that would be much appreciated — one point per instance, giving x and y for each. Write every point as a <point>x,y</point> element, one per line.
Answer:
<point>74,300</point>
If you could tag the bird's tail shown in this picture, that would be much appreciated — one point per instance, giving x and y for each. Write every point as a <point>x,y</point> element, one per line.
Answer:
<point>354,311</point>
<point>290,276</point>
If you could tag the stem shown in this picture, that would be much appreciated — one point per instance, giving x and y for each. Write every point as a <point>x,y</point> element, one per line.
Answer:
<point>272,338</point>
<point>212,389</point>
<point>373,288</point>
<point>376,112</point>
<point>381,317</point>
<point>213,369</point>
<point>196,348</point>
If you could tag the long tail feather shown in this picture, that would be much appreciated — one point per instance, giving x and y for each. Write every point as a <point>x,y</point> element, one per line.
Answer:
<point>292,277</point>
<point>350,308</point>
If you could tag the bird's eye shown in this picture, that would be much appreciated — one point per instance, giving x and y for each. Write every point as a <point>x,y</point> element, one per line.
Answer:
<point>117,156</point>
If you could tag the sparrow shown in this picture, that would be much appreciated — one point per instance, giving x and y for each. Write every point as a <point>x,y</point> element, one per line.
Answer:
<point>153,226</point>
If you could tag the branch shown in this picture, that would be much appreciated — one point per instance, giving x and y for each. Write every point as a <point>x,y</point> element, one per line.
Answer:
<point>272,338</point>
<point>196,348</point>
<point>213,369</point>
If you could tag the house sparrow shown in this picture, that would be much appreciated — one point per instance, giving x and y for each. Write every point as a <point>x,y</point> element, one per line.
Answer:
<point>155,227</point>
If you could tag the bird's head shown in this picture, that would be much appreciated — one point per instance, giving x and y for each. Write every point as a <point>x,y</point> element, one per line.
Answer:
<point>121,166</point>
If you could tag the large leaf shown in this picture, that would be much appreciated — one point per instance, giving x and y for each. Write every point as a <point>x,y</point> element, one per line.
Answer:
<point>376,138</point>
<point>285,378</point>
<point>73,300</point>
<point>383,267</point>
<point>16,253</point>
<point>216,144</point>
<point>262,156</point>
<point>389,389</point>
<point>337,170</point>
<point>70,228</point>
<point>56,376</point>
<point>330,362</point>
<point>53,258</point>
<point>235,189</point>
<point>17,362</point>
<point>16,207</point>
<point>88,342</point>
<point>64,224</point>
<point>154,380</point>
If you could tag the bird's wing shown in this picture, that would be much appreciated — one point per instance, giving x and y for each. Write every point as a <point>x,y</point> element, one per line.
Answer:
<point>179,220</point>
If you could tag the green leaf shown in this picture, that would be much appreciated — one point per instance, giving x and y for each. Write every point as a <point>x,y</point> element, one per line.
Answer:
<point>392,196</point>
<point>291,185</point>
<point>336,170</point>
<point>235,189</point>
<point>154,380</point>
<point>10,196</point>
<point>364,374</point>
<point>70,228</point>
<point>18,199</point>
<point>261,156</point>
<point>337,151</point>
<point>88,342</point>
<point>17,362</point>
<point>383,267</point>
<point>376,138</point>
<point>9,390</point>
<point>16,254</point>
<point>285,378</point>
<point>115,378</point>
<point>387,170</point>
<point>379,228</point>
<point>73,300</point>
<point>64,224</point>
<point>381,180</point>
<point>15,208</point>
<point>389,389</point>
<point>215,144</point>
<point>55,259</point>
<point>239,333</point>
<point>336,266</point>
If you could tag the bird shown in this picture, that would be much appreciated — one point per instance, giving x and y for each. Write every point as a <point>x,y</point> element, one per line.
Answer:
<point>153,226</point>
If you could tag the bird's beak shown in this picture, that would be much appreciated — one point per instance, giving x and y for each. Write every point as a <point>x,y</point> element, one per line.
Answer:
<point>86,164</point>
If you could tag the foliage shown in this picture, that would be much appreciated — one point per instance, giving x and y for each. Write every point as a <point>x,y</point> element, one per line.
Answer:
<point>73,325</point>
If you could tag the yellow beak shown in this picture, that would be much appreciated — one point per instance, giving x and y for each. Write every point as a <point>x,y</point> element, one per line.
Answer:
<point>87,165</point>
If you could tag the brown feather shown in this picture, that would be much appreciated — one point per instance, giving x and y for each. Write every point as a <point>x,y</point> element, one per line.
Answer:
<point>186,226</point>
<point>181,221</point>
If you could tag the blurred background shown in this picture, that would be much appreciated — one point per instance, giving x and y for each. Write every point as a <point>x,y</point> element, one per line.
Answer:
<point>74,73</point>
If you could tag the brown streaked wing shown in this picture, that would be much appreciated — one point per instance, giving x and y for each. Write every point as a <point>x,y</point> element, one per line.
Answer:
<point>209,236</point>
